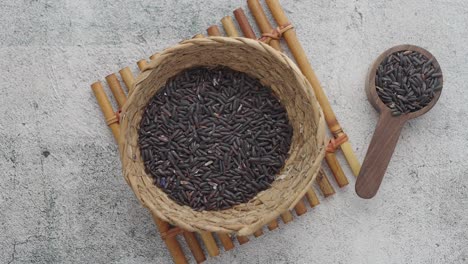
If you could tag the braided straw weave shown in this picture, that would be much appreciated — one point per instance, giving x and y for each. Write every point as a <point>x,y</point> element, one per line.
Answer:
<point>273,69</point>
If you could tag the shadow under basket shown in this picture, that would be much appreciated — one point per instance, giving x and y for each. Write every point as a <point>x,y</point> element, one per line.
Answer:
<point>273,69</point>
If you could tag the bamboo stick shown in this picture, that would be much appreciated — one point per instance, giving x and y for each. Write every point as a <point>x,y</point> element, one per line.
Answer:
<point>242,239</point>
<point>127,77</point>
<point>226,241</point>
<point>244,24</point>
<point>286,217</point>
<point>262,21</point>
<point>325,186</point>
<point>300,208</point>
<point>171,242</point>
<point>194,246</point>
<point>198,36</point>
<point>312,198</point>
<point>142,64</point>
<point>229,27</point>
<point>213,31</point>
<point>258,233</point>
<point>301,59</point>
<point>116,89</point>
<point>273,225</point>
<point>332,162</point>
<point>152,57</point>
<point>106,108</point>
<point>350,156</point>
<point>210,243</point>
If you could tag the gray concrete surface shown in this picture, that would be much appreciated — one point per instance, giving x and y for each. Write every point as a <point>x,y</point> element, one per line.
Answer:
<point>62,196</point>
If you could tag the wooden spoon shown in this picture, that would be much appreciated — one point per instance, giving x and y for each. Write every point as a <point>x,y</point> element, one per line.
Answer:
<point>388,128</point>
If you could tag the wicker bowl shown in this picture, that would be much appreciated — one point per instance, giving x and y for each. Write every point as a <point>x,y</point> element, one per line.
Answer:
<point>273,69</point>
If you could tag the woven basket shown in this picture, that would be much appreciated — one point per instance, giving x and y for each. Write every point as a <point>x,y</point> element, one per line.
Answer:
<point>273,69</point>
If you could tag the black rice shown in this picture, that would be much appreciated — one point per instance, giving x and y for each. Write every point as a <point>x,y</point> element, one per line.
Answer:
<point>406,81</point>
<point>213,138</point>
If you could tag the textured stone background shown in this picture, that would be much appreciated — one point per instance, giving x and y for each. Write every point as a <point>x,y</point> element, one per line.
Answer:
<point>62,196</point>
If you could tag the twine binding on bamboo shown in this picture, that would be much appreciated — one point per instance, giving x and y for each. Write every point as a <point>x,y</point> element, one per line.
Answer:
<point>273,69</point>
<point>276,33</point>
<point>335,143</point>
<point>173,232</point>
<point>114,119</point>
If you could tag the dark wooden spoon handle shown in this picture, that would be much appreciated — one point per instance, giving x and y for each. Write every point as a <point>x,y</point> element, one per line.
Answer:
<point>379,153</point>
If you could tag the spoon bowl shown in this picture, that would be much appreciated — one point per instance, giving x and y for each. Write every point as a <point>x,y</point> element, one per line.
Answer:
<point>371,90</point>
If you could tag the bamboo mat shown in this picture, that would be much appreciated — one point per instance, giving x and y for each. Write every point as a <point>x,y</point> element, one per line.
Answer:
<point>203,244</point>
